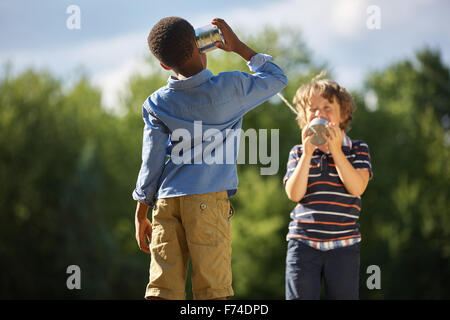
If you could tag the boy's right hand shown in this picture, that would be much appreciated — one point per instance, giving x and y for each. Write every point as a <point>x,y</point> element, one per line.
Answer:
<point>143,227</point>
<point>232,42</point>
<point>143,233</point>
<point>308,147</point>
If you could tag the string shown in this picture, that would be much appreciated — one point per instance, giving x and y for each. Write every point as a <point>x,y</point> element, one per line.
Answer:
<point>287,103</point>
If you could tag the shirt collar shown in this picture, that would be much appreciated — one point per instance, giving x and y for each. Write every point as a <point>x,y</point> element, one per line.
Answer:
<point>346,141</point>
<point>190,82</point>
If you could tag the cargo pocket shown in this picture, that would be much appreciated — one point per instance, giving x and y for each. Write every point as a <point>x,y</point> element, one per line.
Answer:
<point>200,220</point>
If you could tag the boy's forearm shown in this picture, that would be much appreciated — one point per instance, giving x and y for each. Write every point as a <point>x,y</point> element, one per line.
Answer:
<point>244,51</point>
<point>297,184</point>
<point>352,180</point>
<point>141,210</point>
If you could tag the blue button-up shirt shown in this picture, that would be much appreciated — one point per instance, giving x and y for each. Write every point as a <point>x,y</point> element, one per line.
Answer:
<point>190,125</point>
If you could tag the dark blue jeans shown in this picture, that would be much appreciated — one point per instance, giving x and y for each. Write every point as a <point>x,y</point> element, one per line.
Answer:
<point>306,267</point>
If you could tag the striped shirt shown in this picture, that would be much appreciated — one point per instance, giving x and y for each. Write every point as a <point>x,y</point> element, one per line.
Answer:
<point>327,216</point>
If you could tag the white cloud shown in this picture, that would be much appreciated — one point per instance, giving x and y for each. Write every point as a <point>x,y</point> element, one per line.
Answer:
<point>334,29</point>
<point>114,81</point>
<point>337,33</point>
<point>348,17</point>
<point>98,55</point>
<point>109,61</point>
<point>333,17</point>
<point>328,27</point>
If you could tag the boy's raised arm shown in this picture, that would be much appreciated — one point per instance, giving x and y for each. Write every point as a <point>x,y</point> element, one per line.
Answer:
<point>355,181</point>
<point>232,42</point>
<point>296,185</point>
<point>253,89</point>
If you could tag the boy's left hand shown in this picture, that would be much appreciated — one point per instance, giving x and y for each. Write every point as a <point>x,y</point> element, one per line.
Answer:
<point>334,141</point>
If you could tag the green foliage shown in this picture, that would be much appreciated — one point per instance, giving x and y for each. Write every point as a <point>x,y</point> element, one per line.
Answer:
<point>67,169</point>
<point>64,191</point>
<point>258,230</point>
<point>406,209</point>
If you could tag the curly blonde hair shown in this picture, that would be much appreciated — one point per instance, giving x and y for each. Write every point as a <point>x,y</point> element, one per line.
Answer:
<point>328,89</point>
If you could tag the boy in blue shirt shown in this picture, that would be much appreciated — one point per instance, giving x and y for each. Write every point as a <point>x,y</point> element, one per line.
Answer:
<point>327,182</point>
<point>194,113</point>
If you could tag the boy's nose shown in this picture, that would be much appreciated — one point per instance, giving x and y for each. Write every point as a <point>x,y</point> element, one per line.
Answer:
<point>318,113</point>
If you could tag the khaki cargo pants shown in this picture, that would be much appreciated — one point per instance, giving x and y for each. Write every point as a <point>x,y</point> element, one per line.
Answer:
<point>196,226</point>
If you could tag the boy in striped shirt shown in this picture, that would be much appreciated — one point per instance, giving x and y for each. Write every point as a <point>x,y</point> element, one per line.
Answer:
<point>327,182</point>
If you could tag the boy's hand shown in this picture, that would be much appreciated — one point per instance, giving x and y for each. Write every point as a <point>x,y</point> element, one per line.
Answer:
<point>143,232</point>
<point>232,42</point>
<point>308,147</point>
<point>143,227</point>
<point>334,141</point>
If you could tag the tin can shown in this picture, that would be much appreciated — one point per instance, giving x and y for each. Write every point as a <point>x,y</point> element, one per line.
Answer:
<point>206,36</point>
<point>318,126</point>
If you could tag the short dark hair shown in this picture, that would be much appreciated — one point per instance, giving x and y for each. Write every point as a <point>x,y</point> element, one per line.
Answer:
<point>172,41</point>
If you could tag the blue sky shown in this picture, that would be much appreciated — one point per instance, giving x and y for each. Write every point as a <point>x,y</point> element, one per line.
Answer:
<point>111,43</point>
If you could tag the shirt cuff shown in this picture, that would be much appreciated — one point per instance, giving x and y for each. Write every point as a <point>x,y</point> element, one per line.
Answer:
<point>142,198</point>
<point>258,60</point>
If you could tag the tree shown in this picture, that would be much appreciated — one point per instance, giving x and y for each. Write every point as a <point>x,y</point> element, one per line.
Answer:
<point>68,167</point>
<point>406,215</point>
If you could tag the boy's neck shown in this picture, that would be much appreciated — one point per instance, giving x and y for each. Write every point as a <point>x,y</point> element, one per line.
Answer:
<point>188,71</point>
<point>195,64</point>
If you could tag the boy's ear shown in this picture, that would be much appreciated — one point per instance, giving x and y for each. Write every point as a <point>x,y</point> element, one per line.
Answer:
<point>164,66</point>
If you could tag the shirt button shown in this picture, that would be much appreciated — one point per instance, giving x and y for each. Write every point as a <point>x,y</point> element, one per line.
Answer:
<point>203,206</point>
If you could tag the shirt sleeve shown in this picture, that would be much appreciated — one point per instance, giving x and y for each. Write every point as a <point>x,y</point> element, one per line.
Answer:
<point>267,81</point>
<point>362,157</point>
<point>294,157</point>
<point>154,143</point>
